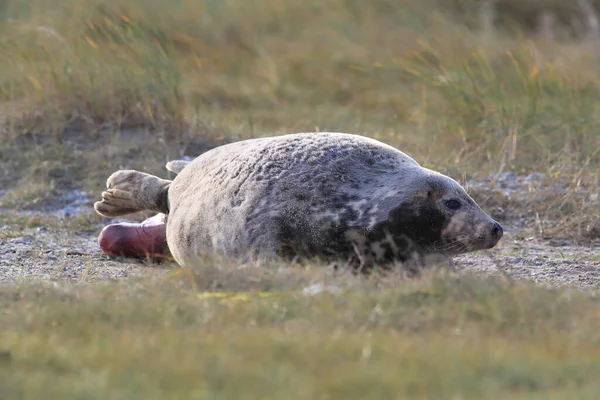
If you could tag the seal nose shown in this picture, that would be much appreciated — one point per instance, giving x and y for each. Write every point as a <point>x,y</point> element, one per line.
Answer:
<point>497,230</point>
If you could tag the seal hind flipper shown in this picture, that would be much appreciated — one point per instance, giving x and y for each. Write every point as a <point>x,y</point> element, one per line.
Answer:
<point>130,191</point>
<point>177,166</point>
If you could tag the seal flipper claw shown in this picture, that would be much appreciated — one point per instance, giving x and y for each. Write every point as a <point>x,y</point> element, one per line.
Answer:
<point>130,191</point>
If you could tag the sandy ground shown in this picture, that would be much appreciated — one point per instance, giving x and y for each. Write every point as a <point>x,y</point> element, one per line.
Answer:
<point>57,254</point>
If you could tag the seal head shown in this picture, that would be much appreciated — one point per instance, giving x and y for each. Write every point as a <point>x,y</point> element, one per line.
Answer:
<point>432,216</point>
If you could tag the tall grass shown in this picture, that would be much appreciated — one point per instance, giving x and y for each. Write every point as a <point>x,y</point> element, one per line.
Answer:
<point>399,69</point>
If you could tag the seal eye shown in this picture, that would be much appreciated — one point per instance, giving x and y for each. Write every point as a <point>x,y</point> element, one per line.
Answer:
<point>453,204</point>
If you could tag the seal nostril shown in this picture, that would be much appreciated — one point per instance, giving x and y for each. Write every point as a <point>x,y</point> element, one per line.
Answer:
<point>497,230</point>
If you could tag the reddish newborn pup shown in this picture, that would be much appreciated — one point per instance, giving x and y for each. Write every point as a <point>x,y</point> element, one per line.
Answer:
<point>145,240</point>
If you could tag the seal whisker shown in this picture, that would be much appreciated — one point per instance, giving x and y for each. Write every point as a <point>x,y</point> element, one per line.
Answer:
<point>448,246</point>
<point>454,246</point>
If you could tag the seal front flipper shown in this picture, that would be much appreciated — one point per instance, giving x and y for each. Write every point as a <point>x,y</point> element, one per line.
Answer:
<point>130,191</point>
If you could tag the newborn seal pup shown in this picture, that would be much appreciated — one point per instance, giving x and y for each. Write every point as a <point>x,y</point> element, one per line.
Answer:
<point>334,196</point>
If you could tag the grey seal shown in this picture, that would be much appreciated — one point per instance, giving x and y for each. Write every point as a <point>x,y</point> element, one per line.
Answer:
<point>333,196</point>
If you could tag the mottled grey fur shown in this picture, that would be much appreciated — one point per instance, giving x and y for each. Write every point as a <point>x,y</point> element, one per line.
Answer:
<point>332,195</point>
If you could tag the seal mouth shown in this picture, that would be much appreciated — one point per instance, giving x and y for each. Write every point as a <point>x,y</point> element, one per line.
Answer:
<point>493,243</point>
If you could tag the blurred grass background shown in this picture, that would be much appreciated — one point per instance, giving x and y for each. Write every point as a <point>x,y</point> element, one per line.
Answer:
<point>412,72</point>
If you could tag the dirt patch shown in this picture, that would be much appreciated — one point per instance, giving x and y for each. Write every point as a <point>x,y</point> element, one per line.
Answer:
<point>538,261</point>
<point>57,253</point>
<point>62,250</point>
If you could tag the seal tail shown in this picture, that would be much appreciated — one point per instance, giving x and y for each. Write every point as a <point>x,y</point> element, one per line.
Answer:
<point>130,191</point>
<point>177,166</point>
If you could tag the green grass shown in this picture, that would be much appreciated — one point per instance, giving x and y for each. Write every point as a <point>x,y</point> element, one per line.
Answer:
<point>90,87</point>
<point>438,337</point>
